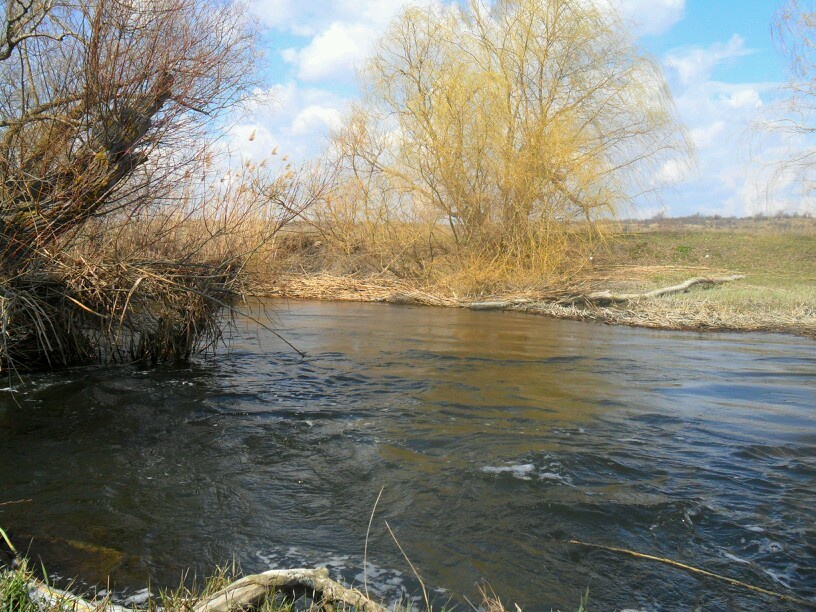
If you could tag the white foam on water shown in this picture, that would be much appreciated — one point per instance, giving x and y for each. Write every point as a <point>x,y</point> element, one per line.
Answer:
<point>529,471</point>
<point>769,546</point>
<point>735,558</point>
<point>383,583</point>
<point>138,598</point>
<point>522,471</point>
<point>781,578</point>
<point>556,477</point>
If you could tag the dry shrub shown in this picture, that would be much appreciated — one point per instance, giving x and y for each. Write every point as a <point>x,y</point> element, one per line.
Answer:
<point>123,234</point>
<point>66,310</point>
<point>343,240</point>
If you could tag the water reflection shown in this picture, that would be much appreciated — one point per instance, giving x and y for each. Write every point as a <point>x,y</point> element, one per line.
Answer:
<point>497,437</point>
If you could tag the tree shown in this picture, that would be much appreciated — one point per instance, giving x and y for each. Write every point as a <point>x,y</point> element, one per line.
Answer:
<point>794,118</point>
<point>106,111</point>
<point>91,91</point>
<point>514,119</point>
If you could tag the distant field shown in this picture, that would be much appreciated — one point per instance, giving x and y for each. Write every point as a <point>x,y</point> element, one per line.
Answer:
<point>778,257</point>
<point>772,252</point>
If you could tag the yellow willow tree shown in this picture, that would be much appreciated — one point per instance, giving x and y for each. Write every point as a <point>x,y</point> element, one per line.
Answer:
<point>516,124</point>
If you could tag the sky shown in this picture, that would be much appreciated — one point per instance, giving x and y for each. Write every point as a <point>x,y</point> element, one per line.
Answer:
<point>718,57</point>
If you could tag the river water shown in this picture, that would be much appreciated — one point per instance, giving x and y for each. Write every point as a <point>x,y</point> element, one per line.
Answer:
<point>496,439</point>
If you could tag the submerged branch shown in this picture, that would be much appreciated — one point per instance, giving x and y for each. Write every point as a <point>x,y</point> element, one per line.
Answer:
<point>694,570</point>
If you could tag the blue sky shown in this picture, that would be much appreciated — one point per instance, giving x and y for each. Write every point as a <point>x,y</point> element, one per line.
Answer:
<point>718,57</point>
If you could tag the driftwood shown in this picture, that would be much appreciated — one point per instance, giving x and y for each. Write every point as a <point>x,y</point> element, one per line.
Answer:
<point>49,598</point>
<point>601,298</point>
<point>240,595</point>
<point>251,590</point>
<point>498,305</point>
<point>607,297</point>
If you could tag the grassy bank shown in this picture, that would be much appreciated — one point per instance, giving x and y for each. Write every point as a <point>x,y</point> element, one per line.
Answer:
<point>22,591</point>
<point>25,587</point>
<point>776,256</point>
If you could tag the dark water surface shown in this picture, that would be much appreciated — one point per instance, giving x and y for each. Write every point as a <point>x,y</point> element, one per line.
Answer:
<point>498,438</point>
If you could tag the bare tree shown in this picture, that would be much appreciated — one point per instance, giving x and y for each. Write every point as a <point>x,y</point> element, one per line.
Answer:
<point>93,90</point>
<point>107,109</point>
<point>793,117</point>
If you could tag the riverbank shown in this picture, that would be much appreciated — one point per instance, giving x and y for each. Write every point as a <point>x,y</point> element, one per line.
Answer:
<point>307,590</point>
<point>273,591</point>
<point>23,589</point>
<point>774,258</point>
<point>711,306</point>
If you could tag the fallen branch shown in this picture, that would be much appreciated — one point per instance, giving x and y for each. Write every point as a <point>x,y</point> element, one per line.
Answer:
<point>498,305</point>
<point>49,598</point>
<point>246,593</point>
<point>251,590</point>
<point>607,297</point>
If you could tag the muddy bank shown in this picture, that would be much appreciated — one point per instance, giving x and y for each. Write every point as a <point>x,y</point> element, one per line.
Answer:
<point>694,308</point>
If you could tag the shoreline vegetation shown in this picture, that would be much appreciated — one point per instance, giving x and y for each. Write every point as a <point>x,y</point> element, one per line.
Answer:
<point>22,589</point>
<point>692,274</point>
<point>225,591</point>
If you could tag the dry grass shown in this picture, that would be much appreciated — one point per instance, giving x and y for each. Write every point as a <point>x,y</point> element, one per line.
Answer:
<point>778,293</point>
<point>22,591</point>
<point>156,284</point>
<point>426,260</point>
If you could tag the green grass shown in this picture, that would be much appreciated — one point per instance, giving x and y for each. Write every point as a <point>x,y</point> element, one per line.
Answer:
<point>776,256</point>
<point>768,255</point>
<point>14,595</point>
<point>16,585</point>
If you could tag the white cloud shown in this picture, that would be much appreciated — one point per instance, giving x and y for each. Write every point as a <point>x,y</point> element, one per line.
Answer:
<point>335,53</point>
<point>652,17</point>
<point>745,98</point>
<point>341,34</point>
<point>696,64</point>
<point>672,172</point>
<point>312,17</point>
<point>276,14</point>
<point>720,117</point>
<point>315,118</point>
<point>709,135</point>
<point>296,124</point>
<point>733,176</point>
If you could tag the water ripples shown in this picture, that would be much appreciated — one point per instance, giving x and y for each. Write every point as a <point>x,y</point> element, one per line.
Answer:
<point>498,438</point>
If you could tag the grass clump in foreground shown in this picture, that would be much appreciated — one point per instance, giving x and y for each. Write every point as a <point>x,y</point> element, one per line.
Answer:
<point>225,591</point>
<point>22,591</point>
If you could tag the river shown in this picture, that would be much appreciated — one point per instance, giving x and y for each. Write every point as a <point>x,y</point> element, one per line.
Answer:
<point>496,438</point>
